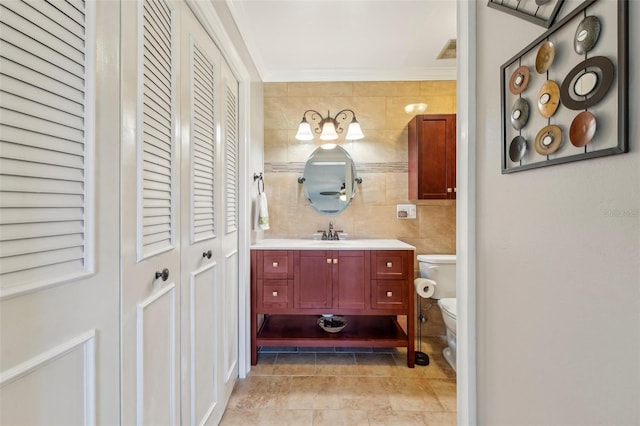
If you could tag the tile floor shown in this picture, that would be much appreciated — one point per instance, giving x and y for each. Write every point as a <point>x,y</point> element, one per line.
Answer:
<point>320,386</point>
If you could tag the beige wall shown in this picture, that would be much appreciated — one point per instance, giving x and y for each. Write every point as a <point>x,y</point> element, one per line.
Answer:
<point>381,160</point>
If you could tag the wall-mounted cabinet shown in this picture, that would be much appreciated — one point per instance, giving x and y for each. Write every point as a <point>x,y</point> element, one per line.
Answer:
<point>432,157</point>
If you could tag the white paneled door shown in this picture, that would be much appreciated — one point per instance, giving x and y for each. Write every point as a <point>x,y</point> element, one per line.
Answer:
<point>205,289</point>
<point>59,212</point>
<point>150,213</point>
<point>179,200</point>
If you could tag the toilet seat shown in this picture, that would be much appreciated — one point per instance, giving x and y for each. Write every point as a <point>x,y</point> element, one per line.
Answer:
<point>449,307</point>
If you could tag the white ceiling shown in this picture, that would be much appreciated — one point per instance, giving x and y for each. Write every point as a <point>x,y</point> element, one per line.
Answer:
<point>347,40</point>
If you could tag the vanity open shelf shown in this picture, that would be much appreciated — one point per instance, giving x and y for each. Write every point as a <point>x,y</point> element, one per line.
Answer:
<point>302,330</point>
<point>368,282</point>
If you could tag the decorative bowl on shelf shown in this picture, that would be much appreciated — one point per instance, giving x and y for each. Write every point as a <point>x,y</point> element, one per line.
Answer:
<point>333,324</point>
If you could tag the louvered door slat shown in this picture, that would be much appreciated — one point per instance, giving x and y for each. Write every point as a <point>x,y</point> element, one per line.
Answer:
<point>23,66</point>
<point>202,144</point>
<point>231,157</point>
<point>36,230</point>
<point>73,11</point>
<point>44,97</point>
<point>24,168</point>
<point>53,22</point>
<point>31,123</point>
<point>49,215</point>
<point>29,107</point>
<point>30,200</point>
<point>156,113</point>
<point>62,20</point>
<point>41,43</point>
<point>43,244</point>
<point>39,155</point>
<point>38,185</point>
<point>156,194</point>
<point>39,140</point>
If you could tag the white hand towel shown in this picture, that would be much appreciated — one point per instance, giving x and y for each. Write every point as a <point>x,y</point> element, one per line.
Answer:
<point>263,212</point>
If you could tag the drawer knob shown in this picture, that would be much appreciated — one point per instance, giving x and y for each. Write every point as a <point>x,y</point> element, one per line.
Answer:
<point>389,294</point>
<point>389,264</point>
<point>275,264</point>
<point>274,293</point>
<point>335,260</point>
<point>328,260</point>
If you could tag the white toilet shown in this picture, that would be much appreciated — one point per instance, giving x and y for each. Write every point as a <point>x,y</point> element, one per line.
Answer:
<point>441,268</point>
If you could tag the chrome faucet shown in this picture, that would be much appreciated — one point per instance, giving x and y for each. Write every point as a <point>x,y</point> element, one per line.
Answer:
<point>331,234</point>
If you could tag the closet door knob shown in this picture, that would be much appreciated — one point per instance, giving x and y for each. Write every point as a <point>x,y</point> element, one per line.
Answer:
<point>389,264</point>
<point>164,274</point>
<point>389,294</point>
<point>449,189</point>
<point>275,264</point>
<point>274,293</point>
<point>207,254</point>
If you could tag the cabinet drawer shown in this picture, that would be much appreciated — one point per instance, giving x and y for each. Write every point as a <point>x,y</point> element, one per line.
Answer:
<point>274,294</point>
<point>389,266</point>
<point>389,294</point>
<point>277,264</point>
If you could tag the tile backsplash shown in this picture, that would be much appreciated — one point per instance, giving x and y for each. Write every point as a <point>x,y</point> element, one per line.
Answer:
<point>381,161</point>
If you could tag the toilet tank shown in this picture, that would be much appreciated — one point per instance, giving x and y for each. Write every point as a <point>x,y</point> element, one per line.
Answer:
<point>440,268</point>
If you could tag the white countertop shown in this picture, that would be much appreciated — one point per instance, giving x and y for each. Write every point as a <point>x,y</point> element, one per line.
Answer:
<point>300,244</point>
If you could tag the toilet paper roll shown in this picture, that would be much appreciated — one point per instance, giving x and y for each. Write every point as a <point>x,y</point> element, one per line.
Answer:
<point>424,287</point>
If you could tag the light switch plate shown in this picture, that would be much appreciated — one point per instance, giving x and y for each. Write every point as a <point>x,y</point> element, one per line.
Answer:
<point>405,211</point>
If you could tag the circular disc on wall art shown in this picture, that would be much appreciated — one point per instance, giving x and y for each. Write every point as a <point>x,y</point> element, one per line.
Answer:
<point>582,129</point>
<point>519,80</point>
<point>548,140</point>
<point>548,98</point>
<point>587,35</point>
<point>517,148</point>
<point>519,113</point>
<point>544,58</point>
<point>604,70</point>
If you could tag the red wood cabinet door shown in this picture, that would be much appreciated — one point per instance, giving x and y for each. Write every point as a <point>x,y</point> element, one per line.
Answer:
<point>350,280</point>
<point>312,279</point>
<point>432,157</point>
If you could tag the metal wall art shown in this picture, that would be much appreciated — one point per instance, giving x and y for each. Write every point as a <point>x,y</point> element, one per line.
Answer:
<point>565,97</point>
<point>540,12</point>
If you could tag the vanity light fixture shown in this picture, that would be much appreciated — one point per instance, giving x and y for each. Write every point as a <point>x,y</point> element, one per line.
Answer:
<point>328,127</point>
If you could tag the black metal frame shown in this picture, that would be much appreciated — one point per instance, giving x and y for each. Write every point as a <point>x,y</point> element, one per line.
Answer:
<point>622,76</point>
<point>545,22</point>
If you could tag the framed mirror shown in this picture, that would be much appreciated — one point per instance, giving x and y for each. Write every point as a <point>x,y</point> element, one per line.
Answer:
<point>329,180</point>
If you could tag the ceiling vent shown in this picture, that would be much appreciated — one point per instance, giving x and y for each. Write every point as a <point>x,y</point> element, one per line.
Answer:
<point>449,50</point>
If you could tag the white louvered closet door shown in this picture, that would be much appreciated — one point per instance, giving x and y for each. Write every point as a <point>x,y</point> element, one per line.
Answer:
<point>59,263</point>
<point>151,212</point>
<point>203,398</point>
<point>229,233</point>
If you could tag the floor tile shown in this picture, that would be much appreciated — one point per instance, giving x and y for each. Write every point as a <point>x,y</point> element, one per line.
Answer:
<point>345,386</point>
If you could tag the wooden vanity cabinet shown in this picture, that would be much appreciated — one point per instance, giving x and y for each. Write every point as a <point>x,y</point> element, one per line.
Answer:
<point>290,289</point>
<point>432,157</point>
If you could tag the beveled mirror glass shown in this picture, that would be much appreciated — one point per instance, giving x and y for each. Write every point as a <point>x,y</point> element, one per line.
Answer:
<point>329,180</point>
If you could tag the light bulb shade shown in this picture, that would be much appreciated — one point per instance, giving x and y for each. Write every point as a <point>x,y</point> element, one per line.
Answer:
<point>304,131</point>
<point>354,132</point>
<point>328,131</point>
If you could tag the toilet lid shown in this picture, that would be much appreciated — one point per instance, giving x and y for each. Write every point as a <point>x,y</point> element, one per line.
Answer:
<point>437,258</point>
<point>449,306</point>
